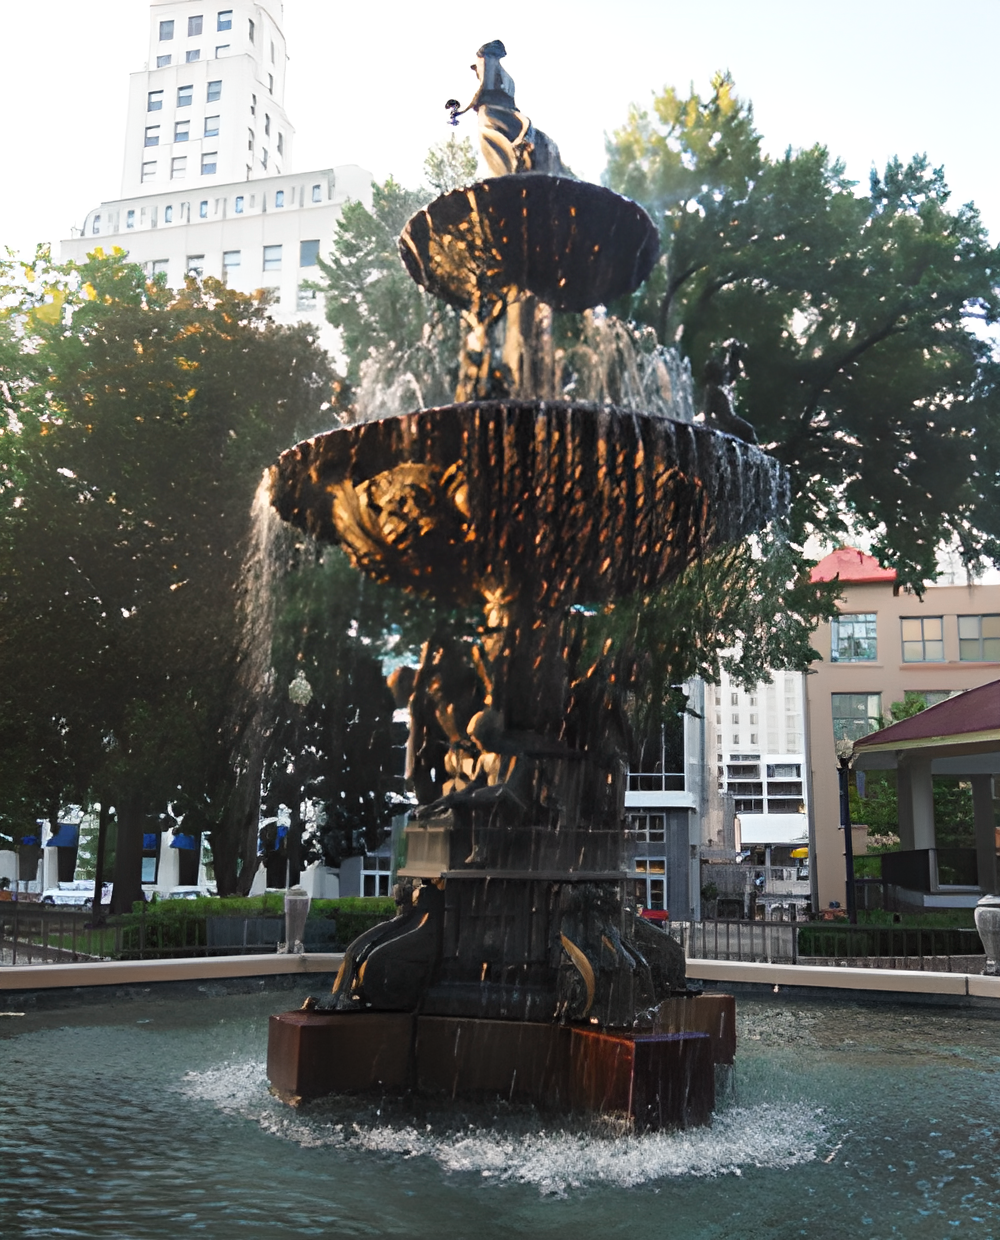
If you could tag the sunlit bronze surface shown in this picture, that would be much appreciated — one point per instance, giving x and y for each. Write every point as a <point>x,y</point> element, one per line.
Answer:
<point>555,502</point>
<point>572,244</point>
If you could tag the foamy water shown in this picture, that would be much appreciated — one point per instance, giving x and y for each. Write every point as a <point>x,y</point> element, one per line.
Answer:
<point>519,1146</point>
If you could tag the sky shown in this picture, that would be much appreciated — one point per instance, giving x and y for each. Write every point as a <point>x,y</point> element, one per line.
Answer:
<point>367,84</point>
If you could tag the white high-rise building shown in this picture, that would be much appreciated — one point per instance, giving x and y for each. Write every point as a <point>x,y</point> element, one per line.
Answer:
<point>208,183</point>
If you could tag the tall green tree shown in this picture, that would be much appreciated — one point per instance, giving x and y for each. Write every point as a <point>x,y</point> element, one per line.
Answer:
<point>866,371</point>
<point>138,421</point>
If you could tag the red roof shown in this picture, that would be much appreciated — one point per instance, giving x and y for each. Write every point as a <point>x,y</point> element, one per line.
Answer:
<point>851,565</point>
<point>976,710</point>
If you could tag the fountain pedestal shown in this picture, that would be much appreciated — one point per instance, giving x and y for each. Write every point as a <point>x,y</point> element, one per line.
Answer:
<point>660,1078</point>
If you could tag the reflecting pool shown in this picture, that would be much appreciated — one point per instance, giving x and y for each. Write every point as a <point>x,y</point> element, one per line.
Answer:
<point>152,1119</point>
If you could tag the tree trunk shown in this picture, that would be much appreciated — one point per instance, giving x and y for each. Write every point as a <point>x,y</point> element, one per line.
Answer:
<point>128,855</point>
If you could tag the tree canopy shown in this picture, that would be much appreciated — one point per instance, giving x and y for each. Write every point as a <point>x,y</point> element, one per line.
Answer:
<point>865,367</point>
<point>137,422</point>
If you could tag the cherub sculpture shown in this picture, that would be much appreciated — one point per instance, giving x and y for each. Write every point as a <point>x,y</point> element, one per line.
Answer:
<point>720,375</point>
<point>509,141</point>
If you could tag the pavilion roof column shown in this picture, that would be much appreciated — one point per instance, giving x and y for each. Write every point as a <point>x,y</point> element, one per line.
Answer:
<point>916,773</point>
<point>986,849</point>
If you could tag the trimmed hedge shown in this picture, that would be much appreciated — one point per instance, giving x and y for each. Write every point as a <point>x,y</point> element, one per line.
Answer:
<point>178,927</point>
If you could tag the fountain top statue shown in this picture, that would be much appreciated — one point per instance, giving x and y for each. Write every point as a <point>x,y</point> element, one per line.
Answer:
<point>510,142</point>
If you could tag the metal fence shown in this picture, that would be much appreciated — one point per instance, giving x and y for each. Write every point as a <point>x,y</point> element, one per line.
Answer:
<point>33,934</point>
<point>41,934</point>
<point>769,942</point>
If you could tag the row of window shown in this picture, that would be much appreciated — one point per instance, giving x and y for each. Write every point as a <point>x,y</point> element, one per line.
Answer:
<point>196,25</point>
<point>178,168</point>
<point>193,54</point>
<point>185,96</point>
<point>184,215</point>
<point>857,714</point>
<point>853,639</point>
<point>271,257</point>
<point>182,131</point>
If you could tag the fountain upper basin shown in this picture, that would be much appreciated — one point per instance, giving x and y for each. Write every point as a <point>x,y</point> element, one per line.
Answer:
<point>575,503</point>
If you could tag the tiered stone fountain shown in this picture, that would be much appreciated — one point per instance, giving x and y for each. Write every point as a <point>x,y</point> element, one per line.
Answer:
<point>519,967</point>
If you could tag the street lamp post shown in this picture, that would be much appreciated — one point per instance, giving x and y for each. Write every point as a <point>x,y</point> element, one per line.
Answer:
<point>845,752</point>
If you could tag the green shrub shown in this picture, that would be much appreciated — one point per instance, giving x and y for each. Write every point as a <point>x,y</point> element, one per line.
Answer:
<point>178,927</point>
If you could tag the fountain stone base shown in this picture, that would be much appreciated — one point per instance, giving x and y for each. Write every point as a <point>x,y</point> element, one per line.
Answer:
<point>663,1077</point>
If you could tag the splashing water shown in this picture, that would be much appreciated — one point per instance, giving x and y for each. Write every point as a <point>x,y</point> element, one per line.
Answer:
<point>622,364</point>
<point>514,1144</point>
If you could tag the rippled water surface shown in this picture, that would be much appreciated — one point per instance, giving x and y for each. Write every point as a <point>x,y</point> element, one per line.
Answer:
<point>153,1120</point>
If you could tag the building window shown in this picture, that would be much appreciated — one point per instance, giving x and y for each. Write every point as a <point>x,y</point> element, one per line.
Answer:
<point>267,125</point>
<point>279,197</point>
<point>130,218</point>
<point>263,157</point>
<point>154,101</point>
<point>272,51</point>
<point>239,204</point>
<point>306,299</point>
<point>253,105</point>
<point>281,143</point>
<point>853,638</point>
<point>194,25</point>
<point>317,193</point>
<point>209,163</point>
<point>211,126</point>
<point>159,266</point>
<point>203,209</point>
<point>168,215</point>
<point>163,61</point>
<point>166,31</point>
<point>250,140</point>
<point>270,83</point>
<point>95,226</point>
<point>308,253</point>
<point>192,54</point>
<point>979,639</point>
<point>647,828</point>
<point>214,91</point>
<point>272,257</point>
<point>222,50</point>
<point>149,170</point>
<point>178,167</point>
<point>736,720</point>
<point>185,96</point>
<point>182,131</point>
<point>736,738</point>
<point>251,29</point>
<point>855,715</point>
<point>196,265</point>
<point>230,259</point>
<point>923,639</point>
<point>225,20</point>
<point>152,135</point>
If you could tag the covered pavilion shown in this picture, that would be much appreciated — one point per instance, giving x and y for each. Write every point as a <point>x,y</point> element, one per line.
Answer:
<point>957,737</point>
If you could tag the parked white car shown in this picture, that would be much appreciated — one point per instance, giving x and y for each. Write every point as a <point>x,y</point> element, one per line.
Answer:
<point>187,893</point>
<point>77,894</point>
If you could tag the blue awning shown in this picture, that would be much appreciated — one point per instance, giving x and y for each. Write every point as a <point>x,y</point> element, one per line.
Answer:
<point>183,841</point>
<point>67,836</point>
<point>150,840</point>
<point>29,840</point>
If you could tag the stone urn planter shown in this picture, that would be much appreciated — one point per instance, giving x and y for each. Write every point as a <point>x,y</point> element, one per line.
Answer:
<point>297,903</point>
<point>988,925</point>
